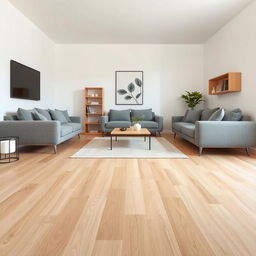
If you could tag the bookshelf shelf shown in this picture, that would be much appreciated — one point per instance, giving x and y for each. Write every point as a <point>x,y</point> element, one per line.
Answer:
<point>226,83</point>
<point>93,111</point>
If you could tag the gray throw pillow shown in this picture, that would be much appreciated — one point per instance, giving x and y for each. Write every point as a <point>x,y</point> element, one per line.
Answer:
<point>58,115</point>
<point>40,117</point>
<point>146,114</point>
<point>217,115</point>
<point>192,115</point>
<point>120,115</point>
<point>44,112</point>
<point>233,115</point>
<point>24,114</point>
<point>65,113</point>
<point>207,113</point>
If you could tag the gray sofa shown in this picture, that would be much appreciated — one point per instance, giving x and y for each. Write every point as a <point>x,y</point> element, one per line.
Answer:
<point>35,132</point>
<point>124,119</point>
<point>216,134</point>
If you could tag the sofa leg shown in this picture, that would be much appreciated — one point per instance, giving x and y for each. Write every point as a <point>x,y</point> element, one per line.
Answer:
<point>200,151</point>
<point>79,135</point>
<point>174,135</point>
<point>55,149</point>
<point>247,151</point>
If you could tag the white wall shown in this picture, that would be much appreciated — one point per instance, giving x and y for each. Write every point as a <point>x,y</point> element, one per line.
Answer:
<point>22,41</point>
<point>168,71</point>
<point>233,49</point>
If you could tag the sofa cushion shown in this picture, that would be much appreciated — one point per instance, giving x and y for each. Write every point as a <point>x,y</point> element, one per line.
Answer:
<point>188,130</point>
<point>40,117</point>
<point>118,124</point>
<point>75,126</point>
<point>233,115</point>
<point>44,112</point>
<point>192,115</point>
<point>146,114</point>
<point>179,125</point>
<point>58,115</point>
<point>217,115</point>
<point>24,114</point>
<point>147,124</point>
<point>207,113</point>
<point>119,115</point>
<point>65,129</point>
<point>65,113</point>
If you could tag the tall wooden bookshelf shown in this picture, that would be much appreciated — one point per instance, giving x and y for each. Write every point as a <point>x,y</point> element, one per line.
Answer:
<point>93,109</point>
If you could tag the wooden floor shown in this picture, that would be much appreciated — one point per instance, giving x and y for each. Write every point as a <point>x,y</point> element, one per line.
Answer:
<point>53,205</point>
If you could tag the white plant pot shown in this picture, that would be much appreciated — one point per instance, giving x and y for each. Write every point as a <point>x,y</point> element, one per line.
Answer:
<point>137,127</point>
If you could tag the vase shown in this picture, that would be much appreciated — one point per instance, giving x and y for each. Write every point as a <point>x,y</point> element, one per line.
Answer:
<point>137,127</point>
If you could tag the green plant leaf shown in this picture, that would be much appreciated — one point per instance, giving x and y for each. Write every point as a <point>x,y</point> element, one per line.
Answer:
<point>131,87</point>
<point>128,97</point>
<point>192,98</point>
<point>122,92</point>
<point>138,82</point>
<point>138,95</point>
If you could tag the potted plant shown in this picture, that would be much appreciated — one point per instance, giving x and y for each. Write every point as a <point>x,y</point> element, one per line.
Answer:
<point>192,98</point>
<point>135,120</point>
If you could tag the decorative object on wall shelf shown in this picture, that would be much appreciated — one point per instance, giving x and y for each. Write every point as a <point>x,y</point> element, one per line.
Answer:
<point>192,98</point>
<point>129,87</point>
<point>226,83</point>
<point>93,109</point>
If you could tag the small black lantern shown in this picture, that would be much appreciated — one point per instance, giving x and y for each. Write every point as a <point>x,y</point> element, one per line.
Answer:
<point>9,151</point>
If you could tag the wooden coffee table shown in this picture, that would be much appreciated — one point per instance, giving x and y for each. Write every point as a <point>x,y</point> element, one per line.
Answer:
<point>143,132</point>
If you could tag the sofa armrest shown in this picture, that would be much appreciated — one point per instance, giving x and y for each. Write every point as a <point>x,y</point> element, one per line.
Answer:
<point>160,121</point>
<point>32,132</point>
<point>225,133</point>
<point>76,119</point>
<point>103,121</point>
<point>176,119</point>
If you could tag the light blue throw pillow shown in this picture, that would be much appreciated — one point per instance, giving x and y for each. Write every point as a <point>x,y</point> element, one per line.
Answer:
<point>120,115</point>
<point>65,113</point>
<point>217,115</point>
<point>146,114</point>
<point>192,115</point>
<point>40,117</point>
<point>24,114</point>
<point>58,115</point>
<point>44,112</point>
<point>233,115</point>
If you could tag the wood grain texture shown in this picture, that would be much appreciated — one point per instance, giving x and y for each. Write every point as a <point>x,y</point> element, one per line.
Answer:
<point>54,205</point>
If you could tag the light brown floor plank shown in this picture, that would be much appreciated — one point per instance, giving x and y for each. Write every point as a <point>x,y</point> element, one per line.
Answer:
<point>51,204</point>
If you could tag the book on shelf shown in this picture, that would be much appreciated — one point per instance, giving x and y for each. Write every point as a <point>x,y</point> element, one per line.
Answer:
<point>225,85</point>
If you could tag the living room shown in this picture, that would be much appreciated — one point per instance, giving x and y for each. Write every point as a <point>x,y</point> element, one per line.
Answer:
<point>183,196</point>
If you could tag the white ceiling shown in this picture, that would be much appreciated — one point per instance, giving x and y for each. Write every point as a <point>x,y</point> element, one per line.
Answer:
<point>130,21</point>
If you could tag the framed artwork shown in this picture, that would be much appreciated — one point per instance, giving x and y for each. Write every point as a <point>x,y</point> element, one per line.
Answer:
<point>129,87</point>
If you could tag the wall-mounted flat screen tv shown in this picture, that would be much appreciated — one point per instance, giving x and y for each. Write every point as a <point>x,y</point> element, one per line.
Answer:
<point>25,82</point>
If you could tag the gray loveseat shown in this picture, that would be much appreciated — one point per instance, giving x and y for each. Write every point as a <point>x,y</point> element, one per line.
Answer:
<point>40,132</point>
<point>223,133</point>
<point>124,119</point>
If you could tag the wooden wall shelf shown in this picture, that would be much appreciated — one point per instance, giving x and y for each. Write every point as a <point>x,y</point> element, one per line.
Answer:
<point>93,112</point>
<point>226,83</point>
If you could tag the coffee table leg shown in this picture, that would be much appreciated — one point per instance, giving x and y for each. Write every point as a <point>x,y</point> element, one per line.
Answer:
<point>149,142</point>
<point>116,138</point>
<point>110,142</point>
<point>145,138</point>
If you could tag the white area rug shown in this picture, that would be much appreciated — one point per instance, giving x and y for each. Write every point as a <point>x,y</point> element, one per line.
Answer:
<point>129,147</point>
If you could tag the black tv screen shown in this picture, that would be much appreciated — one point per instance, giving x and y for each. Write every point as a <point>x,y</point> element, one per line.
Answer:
<point>25,82</point>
